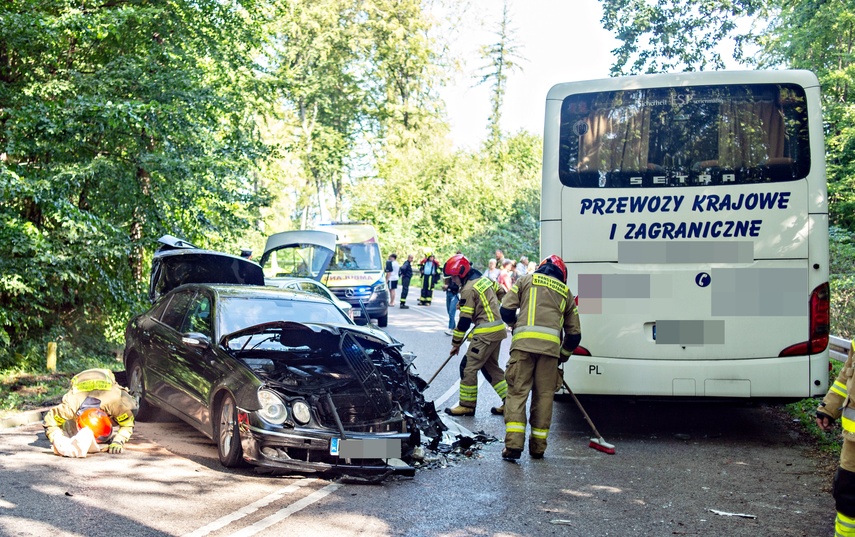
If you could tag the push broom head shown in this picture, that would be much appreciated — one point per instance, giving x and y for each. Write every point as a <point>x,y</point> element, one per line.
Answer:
<point>601,445</point>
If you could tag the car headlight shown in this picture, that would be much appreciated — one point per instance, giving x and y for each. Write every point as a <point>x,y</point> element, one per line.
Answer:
<point>302,412</point>
<point>379,290</point>
<point>273,409</point>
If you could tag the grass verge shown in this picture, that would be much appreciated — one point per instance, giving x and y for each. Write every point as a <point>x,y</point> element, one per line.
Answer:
<point>24,389</point>
<point>805,412</point>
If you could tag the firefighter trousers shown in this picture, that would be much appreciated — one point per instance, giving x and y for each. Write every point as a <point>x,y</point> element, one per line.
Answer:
<point>843,491</point>
<point>536,373</point>
<point>481,356</point>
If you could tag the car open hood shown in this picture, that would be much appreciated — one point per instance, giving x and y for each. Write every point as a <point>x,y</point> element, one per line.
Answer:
<point>178,262</point>
<point>303,254</point>
<point>362,372</point>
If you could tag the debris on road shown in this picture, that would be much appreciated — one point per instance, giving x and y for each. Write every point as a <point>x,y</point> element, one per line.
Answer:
<point>741,515</point>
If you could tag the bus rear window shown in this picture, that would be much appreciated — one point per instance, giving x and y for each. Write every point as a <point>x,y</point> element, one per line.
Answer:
<point>687,136</point>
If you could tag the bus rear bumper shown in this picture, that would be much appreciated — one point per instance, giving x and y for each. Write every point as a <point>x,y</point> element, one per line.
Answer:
<point>795,377</point>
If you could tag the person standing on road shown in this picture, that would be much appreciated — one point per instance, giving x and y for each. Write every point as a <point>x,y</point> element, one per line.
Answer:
<point>429,270</point>
<point>479,306</point>
<point>452,298</point>
<point>406,274</point>
<point>392,276</point>
<point>91,390</point>
<point>838,403</point>
<point>546,332</point>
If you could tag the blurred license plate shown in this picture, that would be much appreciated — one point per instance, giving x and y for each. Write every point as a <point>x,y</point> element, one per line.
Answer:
<point>368,448</point>
<point>357,313</point>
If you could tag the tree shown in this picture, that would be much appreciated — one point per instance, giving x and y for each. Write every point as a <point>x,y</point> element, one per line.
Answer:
<point>675,35</point>
<point>118,122</point>
<point>504,58</point>
<point>427,197</point>
<point>350,76</point>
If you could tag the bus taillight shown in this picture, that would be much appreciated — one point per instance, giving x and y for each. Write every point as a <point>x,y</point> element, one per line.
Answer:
<point>819,325</point>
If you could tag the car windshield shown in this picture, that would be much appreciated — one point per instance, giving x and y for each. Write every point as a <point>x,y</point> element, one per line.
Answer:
<point>238,313</point>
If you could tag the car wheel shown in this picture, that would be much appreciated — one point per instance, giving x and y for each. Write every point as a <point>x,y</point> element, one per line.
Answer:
<point>136,387</point>
<point>383,321</point>
<point>228,437</point>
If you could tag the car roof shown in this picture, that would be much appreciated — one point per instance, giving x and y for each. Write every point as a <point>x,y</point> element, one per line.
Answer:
<point>260,291</point>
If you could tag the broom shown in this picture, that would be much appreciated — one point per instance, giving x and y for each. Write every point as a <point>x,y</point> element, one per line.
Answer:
<point>597,443</point>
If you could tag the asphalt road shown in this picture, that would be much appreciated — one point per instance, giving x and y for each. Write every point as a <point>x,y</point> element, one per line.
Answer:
<point>679,470</point>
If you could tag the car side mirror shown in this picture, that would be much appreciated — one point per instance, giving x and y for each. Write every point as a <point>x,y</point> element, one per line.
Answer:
<point>196,339</point>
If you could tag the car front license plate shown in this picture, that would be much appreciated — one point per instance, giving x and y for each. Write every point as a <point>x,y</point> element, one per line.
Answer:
<point>366,448</point>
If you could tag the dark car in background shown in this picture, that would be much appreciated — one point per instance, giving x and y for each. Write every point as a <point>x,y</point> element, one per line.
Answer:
<point>278,378</point>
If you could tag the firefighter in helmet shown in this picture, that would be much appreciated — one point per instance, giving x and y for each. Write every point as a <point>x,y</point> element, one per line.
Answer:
<point>545,332</point>
<point>838,403</point>
<point>479,306</point>
<point>95,402</point>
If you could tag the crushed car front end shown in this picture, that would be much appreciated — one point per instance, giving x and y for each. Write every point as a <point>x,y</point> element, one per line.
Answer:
<point>336,399</point>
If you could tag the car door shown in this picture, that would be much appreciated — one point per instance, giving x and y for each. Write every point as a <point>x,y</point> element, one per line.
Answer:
<point>163,361</point>
<point>203,366</point>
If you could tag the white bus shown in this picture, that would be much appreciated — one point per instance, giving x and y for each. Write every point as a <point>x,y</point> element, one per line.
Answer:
<point>691,211</point>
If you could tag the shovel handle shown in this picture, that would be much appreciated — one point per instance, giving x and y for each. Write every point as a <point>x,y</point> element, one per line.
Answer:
<point>438,370</point>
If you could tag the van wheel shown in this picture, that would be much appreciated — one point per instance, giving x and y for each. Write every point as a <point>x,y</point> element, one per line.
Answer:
<point>383,321</point>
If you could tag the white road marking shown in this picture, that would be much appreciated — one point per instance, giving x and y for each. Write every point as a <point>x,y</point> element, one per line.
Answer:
<point>453,390</point>
<point>282,514</point>
<point>249,509</point>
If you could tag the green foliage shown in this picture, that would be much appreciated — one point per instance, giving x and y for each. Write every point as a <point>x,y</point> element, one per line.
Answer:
<point>842,282</point>
<point>429,199</point>
<point>118,122</point>
<point>674,35</point>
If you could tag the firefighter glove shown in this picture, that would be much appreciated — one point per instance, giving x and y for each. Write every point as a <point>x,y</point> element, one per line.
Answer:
<point>824,421</point>
<point>116,448</point>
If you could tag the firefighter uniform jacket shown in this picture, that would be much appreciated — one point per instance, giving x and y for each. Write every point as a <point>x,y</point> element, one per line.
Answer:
<point>838,404</point>
<point>547,315</point>
<point>479,306</point>
<point>99,384</point>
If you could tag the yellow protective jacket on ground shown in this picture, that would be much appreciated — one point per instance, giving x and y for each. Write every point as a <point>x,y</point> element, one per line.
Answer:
<point>479,305</point>
<point>547,314</point>
<point>100,384</point>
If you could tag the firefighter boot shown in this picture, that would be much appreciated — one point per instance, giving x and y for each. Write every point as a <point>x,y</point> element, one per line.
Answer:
<point>460,410</point>
<point>498,410</point>
<point>511,454</point>
<point>536,449</point>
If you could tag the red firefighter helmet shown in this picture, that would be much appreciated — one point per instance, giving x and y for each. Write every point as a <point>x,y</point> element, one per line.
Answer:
<point>97,421</point>
<point>558,262</point>
<point>457,265</point>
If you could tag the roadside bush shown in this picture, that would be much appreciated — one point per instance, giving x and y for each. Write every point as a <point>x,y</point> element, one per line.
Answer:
<point>841,253</point>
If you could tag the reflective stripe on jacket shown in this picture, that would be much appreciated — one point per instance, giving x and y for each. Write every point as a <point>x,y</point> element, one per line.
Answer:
<point>838,403</point>
<point>547,312</point>
<point>480,304</point>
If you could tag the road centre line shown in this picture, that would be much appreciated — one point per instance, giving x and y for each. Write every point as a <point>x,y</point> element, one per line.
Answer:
<point>282,514</point>
<point>249,509</point>
<point>453,391</point>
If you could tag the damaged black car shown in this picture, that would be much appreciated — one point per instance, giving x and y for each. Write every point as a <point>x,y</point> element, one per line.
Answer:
<point>277,378</point>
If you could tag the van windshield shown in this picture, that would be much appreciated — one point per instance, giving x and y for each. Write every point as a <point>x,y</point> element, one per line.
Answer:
<point>357,256</point>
